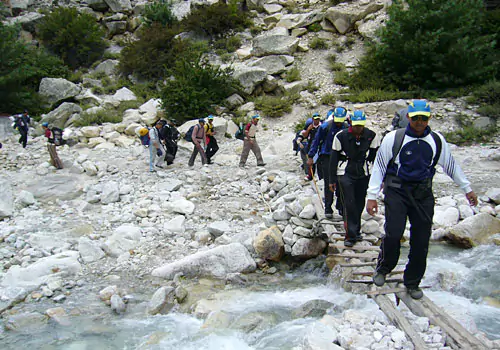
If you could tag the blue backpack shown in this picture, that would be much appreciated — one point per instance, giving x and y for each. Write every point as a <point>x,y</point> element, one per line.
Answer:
<point>189,134</point>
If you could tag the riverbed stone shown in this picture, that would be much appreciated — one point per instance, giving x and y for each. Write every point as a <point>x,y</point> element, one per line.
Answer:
<point>312,308</point>
<point>6,199</point>
<point>307,248</point>
<point>218,228</point>
<point>117,304</point>
<point>124,238</point>
<point>162,301</point>
<point>494,195</point>
<point>474,230</point>
<point>89,250</point>
<point>269,244</point>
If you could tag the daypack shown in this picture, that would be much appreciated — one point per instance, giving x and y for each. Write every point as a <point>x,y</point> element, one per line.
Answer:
<point>398,143</point>
<point>57,135</point>
<point>400,121</point>
<point>296,147</point>
<point>144,136</point>
<point>189,134</point>
<point>240,133</point>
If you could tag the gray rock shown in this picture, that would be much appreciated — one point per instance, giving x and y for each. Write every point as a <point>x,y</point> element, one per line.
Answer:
<point>344,16</point>
<point>124,239</point>
<point>97,5</point>
<point>119,5</point>
<point>312,308</point>
<point>25,322</point>
<point>274,42</point>
<point>483,123</point>
<point>59,116</point>
<point>57,89</point>
<point>216,262</point>
<point>89,250</point>
<point>249,77</point>
<point>90,131</point>
<point>234,101</point>
<point>269,244</point>
<point>59,299</point>
<point>6,199</point>
<point>474,230</point>
<point>163,301</point>
<point>107,67</point>
<point>124,94</point>
<point>308,212</point>
<point>53,187</point>
<point>117,304</point>
<point>218,228</point>
<point>281,215</point>
<point>183,206</point>
<point>308,248</point>
<point>110,192</point>
<point>297,20</point>
<point>176,225</point>
<point>28,20</point>
<point>370,226</point>
<point>465,211</point>
<point>494,195</point>
<point>274,64</point>
<point>116,27</point>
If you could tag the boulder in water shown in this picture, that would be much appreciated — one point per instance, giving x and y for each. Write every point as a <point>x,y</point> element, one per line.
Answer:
<point>474,230</point>
<point>269,244</point>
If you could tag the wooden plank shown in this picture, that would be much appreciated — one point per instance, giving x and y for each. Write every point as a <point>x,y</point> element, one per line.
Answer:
<point>374,263</point>
<point>389,280</point>
<point>388,291</point>
<point>356,247</point>
<point>356,255</point>
<point>371,273</point>
<point>365,239</point>
<point>399,320</point>
<point>457,336</point>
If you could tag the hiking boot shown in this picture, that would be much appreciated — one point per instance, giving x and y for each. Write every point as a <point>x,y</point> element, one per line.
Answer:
<point>348,243</point>
<point>159,166</point>
<point>415,293</point>
<point>261,164</point>
<point>379,279</point>
<point>307,178</point>
<point>329,215</point>
<point>359,238</point>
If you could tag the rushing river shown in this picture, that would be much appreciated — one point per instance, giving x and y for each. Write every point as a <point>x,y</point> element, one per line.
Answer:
<point>262,315</point>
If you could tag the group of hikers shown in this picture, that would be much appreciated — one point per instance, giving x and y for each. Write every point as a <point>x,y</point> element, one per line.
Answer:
<point>162,140</point>
<point>355,163</point>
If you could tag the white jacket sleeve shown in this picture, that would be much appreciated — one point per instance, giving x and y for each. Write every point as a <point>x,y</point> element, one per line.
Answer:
<point>451,168</point>
<point>384,155</point>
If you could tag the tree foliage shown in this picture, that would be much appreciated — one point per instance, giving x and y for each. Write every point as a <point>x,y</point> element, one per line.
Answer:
<point>73,36</point>
<point>429,44</point>
<point>22,67</point>
<point>195,88</point>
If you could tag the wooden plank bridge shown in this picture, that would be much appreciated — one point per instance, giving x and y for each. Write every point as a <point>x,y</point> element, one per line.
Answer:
<point>356,266</point>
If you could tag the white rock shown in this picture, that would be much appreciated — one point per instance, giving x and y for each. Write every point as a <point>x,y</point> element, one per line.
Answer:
<point>218,228</point>
<point>90,251</point>
<point>308,212</point>
<point>446,218</point>
<point>370,226</point>
<point>89,167</point>
<point>117,304</point>
<point>161,301</point>
<point>6,199</point>
<point>124,239</point>
<point>494,195</point>
<point>465,211</point>
<point>25,198</point>
<point>110,192</point>
<point>183,206</point>
<point>398,336</point>
<point>176,224</point>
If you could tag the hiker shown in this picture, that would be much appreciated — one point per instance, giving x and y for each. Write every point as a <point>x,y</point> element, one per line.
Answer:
<point>54,136</point>
<point>155,147</point>
<point>305,140</point>
<point>352,149</point>
<point>212,146</point>
<point>21,123</point>
<point>250,143</point>
<point>198,138</point>
<point>169,136</point>
<point>322,145</point>
<point>407,163</point>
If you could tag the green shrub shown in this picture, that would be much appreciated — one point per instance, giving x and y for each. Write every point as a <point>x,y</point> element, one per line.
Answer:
<point>159,12</point>
<point>312,86</point>
<point>342,77</point>
<point>216,20</point>
<point>328,99</point>
<point>300,125</point>
<point>492,111</point>
<point>349,42</point>
<point>430,45</point>
<point>275,106</point>
<point>337,67</point>
<point>374,95</point>
<point>156,50</point>
<point>22,67</point>
<point>292,75</point>
<point>73,36</point>
<point>338,47</point>
<point>101,117</point>
<point>4,11</point>
<point>228,44</point>
<point>315,27</point>
<point>196,88</point>
<point>469,134</point>
<point>488,93</point>
<point>76,76</point>
<point>318,44</point>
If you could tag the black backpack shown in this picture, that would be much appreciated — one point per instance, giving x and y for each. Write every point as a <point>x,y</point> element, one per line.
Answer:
<point>240,133</point>
<point>57,135</point>
<point>400,121</point>
<point>189,134</point>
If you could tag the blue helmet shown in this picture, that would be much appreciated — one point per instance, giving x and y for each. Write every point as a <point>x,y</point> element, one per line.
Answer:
<point>339,114</point>
<point>45,124</point>
<point>358,118</point>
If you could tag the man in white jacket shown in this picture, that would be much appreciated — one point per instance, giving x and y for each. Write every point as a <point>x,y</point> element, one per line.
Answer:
<point>155,147</point>
<point>406,164</point>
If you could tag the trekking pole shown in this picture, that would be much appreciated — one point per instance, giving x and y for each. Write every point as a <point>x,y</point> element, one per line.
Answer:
<point>316,186</point>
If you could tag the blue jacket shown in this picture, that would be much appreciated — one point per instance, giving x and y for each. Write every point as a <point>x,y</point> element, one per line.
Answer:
<point>322,141</point>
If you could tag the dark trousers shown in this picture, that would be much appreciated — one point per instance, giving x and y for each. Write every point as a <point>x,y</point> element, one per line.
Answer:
<point>418,205</point>
<point>212,147</point>
<point>352,195</point>
<point>24,137</point>
<point>197,149</point>
<point>324,171</point>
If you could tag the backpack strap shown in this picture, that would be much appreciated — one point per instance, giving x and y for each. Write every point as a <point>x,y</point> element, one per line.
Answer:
<point>439,146</point>
<point>396,146</point>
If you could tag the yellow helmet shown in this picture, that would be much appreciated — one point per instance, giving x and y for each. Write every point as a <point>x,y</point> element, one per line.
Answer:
<point>143,131</point>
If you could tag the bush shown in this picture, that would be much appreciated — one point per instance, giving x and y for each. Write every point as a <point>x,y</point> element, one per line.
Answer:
<point>101,117</point>
<point>216,20</point>
<point>275,106</point>
<point>328,99</point>
<point>73,36</point>
<point>300,125</point>
<point>430,45</point>
<point>293,75</point>
<point>229,44</point>
<point>22,67</point>
<point>488,96</point>
<point>156,50</point>
<point>196,88</point>
<point>318,44</point>
<point>315,27</point>
<point>159,12</point>
<point>469,134</point>
<point>312,86</point>
<point>342,77</point>
<point>374,95</point>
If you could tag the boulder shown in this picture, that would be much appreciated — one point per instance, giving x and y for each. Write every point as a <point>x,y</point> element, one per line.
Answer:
<point>272,8</point>
<point>297,20</point>
<point>306,248</point>
<point>308,212</point>
<point>90,131</point>
<point>162,301</point>
<point>216,262</point>
<point>494,195</point>
<point>53,187</point>
<point>24,198</point>
<point>175,225</point>
<point>89,250</point>
<point>117,304</point>
<point>27,20</point>
<point>474,230</point>
<point>6,199</point>
<point>110,192</point>
<point>57,89</point>
<point>124,94</point>
<point>344,16</point>
<point>116,27</point>
<point>273,64</point>
<point>269,245</point>
<point>107,67</point>
<point>124,239</point>
<point>97,5</point>
<point>234,101</point>
<point>218,228</point>
<point>274,42</point>
<point>149,111</point>
<point>119,5</point>
<point>249,77</point>
<point>183,206</point>
<point>89,167</point>
<point>59,116</point>
<point>447,217</point>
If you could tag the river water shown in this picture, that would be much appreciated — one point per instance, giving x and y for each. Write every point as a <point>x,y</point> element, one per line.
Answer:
<point>261,315</point>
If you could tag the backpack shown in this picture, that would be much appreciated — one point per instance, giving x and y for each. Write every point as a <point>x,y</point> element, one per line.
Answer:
<point>400,121</point>
<point>144,136</point>
<point>57,135</point>
<point>189,134</point>
<point>240,133</point>
<point>398,143</point>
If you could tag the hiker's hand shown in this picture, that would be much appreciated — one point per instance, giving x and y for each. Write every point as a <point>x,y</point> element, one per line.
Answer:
<point>301,145</point>
<point>159,152</point>
<point>472,198</point>
<point>310,162</point>
<point>371,207</point>
<point>332,187</point>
